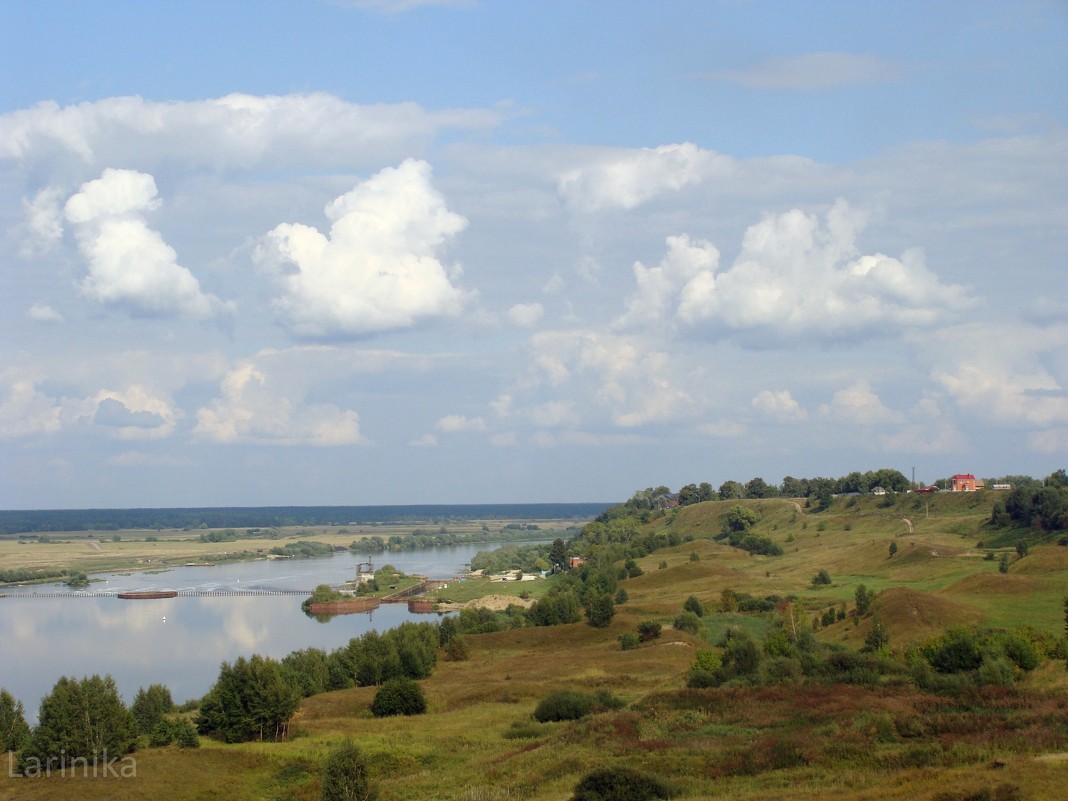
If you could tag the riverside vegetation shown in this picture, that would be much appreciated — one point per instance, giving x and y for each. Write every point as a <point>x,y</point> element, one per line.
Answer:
<point>674,662</point>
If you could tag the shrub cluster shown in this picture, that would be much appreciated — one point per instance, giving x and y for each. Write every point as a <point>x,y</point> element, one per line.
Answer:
<point>573,704</point>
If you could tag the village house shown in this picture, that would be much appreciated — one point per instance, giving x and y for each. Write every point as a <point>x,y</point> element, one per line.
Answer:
<point>965,482</point>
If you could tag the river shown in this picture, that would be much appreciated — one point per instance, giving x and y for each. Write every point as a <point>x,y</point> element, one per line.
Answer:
<point>181,642</point>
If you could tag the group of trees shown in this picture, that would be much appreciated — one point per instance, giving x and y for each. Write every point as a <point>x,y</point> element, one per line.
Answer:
<point>1041,505</point>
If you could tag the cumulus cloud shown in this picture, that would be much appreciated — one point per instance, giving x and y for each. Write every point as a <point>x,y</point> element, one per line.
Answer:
<point>130,266</point>
<point>658,287</point>
<point>779,406</point>
<point>42,228</point>
<point>24,409</point>
<point>810,72</point>
<point>1014,375</point>
<point>796,279</point>
<point>626,179</point>
<point>237,131</point>
<point>526,315</point>
<point>256,407</point>
<point>378,268</point>
<point>586,372</point>
<point>43,313</point>
<point>134,413</point>
<point>455,423</point>
<point>859,404</point>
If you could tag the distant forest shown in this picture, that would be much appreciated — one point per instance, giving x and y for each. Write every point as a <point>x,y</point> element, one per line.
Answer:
<point>48,520</point>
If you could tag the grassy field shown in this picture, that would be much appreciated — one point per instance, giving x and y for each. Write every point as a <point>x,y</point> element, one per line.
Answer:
<point>801,742</point>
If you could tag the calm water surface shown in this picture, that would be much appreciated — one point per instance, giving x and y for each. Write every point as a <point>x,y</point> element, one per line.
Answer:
<point>180,642</point>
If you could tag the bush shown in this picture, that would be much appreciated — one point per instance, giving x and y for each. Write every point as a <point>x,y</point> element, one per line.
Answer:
<point>692,604</point>
<point>456,650</point>
<point>162,735</point>
<point>628,641</point>
<point>345,775</point>
<point>821,578</point>
<point>185,734</point>
<point>648,630</point>
<point>600,610</point>
<point>399,697</point>
<point>572,705</point>
<point>621,784</point>
<point>688,622</point>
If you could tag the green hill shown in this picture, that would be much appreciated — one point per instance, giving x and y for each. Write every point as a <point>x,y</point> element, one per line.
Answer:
<point>874,736</point>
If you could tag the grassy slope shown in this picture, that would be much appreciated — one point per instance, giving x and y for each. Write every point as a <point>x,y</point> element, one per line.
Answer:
<point>857,744</point>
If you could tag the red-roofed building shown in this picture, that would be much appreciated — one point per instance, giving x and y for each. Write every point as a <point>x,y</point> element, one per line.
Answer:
<point>965,482</point>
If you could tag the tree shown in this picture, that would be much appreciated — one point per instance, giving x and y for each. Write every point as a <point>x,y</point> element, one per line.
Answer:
<point>893,549</point>
<point>692,604</point>
<point>759,488</point>
<point>558,555</point>
<point>793,487</point>
<point>400,696</point>
<point>878,638</point>
<point>821,578</point>
<point>600,610</point>
<point>346,776</point>
<point>82,720</point>
<point>150,706</point>
<point>731,491</point>
<point>738,519</point>
<point>648,630</point>
<point>14,733</point>
<point>250,701</point>
<point>864,598</point>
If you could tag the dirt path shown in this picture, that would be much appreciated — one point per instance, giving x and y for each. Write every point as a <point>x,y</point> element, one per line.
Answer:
<point>908,523</point>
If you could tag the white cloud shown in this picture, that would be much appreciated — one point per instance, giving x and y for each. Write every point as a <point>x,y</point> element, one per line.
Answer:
<point>257,408</point>
<point>141,459</point>
<point>860,405</point>
<point>237,131</point>
<point>425,441</point>
<point>133,413</point>
<point>798,280</point>
<point>1013,375</point>
<point>526,315</point>
<point>586,373</point>
<point>1053,441</point>
<point>456,423</point>
<point>812,72</point>
<point>378,269</point>
<point>658,287</point>
<point>43,313</point>
<point>43,226</point>
<point>625,179</point>
<point>723,429</point>
<point>779,406</point>
<point>24,410</point>
<point>130,266</point>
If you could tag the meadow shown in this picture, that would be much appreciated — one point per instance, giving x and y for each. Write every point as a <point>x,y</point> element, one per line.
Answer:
<point>886,741</point>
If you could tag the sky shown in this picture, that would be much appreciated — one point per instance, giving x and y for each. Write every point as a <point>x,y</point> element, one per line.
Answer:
<point>298,252</point>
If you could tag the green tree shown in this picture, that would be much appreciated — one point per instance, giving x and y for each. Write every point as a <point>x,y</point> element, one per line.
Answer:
<point>250,700</point>
<point>600,610</point>
<point>400,696</point>
<point>346,776</point>
<point>864,598</point>
<point>731,491</point>
<point>558,555</point>
<point>150,706</point>
<point>893,549</point>
<point>82,719</point>
<point>693,604</point>
<point>738,519</point>
<point>185,733</point>
<point>14,733</point>
<point>821,578</point>
<point>877,638</point>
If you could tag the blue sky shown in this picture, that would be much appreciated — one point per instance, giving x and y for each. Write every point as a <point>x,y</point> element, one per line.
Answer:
<point>398,251</point>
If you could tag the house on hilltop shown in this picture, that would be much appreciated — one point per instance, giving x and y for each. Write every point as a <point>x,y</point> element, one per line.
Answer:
<point>965,482</point>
